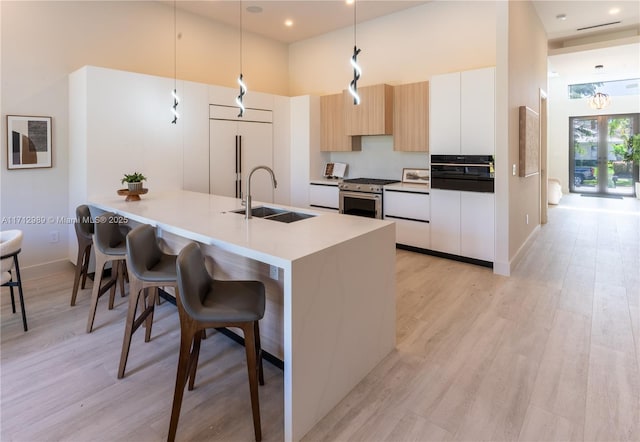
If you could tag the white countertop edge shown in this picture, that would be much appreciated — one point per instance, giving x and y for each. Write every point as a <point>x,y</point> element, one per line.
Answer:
<point>409,187</point>
<point>325,181</point>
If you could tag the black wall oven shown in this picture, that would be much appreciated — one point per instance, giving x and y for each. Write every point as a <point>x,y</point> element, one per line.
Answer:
<point>473,173</point>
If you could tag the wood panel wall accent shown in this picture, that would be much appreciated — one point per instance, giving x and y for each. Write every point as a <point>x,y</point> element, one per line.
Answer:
<point>411,117</point>
<point>374,114</point>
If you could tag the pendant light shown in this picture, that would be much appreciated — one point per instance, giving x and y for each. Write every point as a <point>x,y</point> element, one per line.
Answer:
<point>599,100</point>
<point>357,71</point>
<point>174,93</point>
<point>243,86</point>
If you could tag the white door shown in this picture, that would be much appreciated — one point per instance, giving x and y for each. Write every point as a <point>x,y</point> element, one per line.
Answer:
<point>256,149</point>
<point>445,221</point>
<point>222,157</point>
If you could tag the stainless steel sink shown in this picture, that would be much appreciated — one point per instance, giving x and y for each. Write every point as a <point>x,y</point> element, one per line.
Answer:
<point>289,217</point>
<point>280,215</point>
<point>262,211</point>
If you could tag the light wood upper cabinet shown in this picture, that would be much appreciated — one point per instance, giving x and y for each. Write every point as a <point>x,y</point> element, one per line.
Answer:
<point>333,137</point>
<point>374,114</point>
<point>411,117</point>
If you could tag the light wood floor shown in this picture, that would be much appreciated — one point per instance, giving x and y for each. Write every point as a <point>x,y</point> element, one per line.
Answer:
<point>550,353</point>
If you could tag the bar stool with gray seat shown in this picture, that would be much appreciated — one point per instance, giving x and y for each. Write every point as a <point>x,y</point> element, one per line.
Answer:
<point>149,267</point>
<point>10,246</point>
<point>204,302</point>
<point>84,233</point>
<point>110,242</point>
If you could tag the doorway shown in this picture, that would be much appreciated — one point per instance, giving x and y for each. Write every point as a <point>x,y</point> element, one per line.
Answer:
<point>595,154</point>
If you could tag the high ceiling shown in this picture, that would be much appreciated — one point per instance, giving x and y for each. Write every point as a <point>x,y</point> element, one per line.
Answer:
<point>310,17</point>
<point>315,17</point>
<point>564,21</point>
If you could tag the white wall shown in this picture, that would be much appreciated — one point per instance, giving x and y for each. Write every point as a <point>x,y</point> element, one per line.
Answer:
<point>43,41</point>
<point>405,47</point>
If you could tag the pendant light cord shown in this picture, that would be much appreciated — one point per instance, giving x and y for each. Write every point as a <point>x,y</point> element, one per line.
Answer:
<point>243,86</point>
<point>175,47</point>
<point>353,86</point>
<point>174,93</point>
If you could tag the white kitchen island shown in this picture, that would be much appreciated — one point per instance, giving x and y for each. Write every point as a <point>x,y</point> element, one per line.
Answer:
<point>337,281</point>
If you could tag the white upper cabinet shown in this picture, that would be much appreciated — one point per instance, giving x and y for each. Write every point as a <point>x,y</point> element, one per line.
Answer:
<point>462,113</point>
<point>477,112</point>
<point>444,114</point>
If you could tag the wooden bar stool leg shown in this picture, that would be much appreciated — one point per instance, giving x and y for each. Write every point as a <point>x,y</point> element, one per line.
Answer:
<point>250,347</point>
<point>151,302</point>
<point>78,274</point>
<point>134,293</point>
<point>85,266</point>
<point>256,331</point>
<point>95,292</point>
<point>184,358</point>
<point>195,354</point>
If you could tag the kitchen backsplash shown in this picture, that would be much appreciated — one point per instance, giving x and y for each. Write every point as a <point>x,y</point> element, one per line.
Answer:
<point>377,159</point>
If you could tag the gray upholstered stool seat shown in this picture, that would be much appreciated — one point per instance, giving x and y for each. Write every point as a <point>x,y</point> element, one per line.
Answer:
<point>204,302</point>
<point>149,267</point>
<point>110,246</point>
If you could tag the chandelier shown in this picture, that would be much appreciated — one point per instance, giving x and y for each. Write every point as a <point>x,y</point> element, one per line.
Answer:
<point>599,100</point>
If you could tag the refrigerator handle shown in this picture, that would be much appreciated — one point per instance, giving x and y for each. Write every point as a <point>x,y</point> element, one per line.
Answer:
<point>237,167</point>
<point>240,166</point>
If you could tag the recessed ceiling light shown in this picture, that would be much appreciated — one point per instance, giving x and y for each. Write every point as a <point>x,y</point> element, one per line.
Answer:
<point>349,2</point>
<point>254,9</point>
<point>614,11</point>
<point>561,17</point>
<point>288,22</point>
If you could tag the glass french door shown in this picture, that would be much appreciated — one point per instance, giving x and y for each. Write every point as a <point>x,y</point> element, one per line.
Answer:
<point>596,163</point>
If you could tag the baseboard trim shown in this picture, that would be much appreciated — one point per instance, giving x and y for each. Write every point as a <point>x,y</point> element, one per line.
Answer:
<point>45,269</point>
<point>524,248</point>
<point>474,261</point>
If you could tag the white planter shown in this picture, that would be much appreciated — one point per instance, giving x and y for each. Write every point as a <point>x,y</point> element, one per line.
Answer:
<point>134,186</point>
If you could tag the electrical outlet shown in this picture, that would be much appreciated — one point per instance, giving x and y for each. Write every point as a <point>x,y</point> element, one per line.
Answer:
<point>273,272</point>
<point>526,217</point>
<point>54,236</point>
<point>514,170</point>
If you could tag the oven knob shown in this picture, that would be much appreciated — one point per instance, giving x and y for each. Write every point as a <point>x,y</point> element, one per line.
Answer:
<point>372,189</point>
<point>358,187</point>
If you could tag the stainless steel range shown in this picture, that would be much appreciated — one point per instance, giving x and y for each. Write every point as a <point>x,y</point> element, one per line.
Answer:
<point>362,196</point>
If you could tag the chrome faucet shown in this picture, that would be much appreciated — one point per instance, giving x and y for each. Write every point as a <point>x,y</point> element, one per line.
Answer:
<point>248,192</point>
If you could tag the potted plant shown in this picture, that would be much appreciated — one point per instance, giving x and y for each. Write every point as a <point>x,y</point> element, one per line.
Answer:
<point>134,181</point>
<point>632,153</point>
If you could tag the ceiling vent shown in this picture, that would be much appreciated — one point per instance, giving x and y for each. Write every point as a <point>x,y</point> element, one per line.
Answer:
<point>599,26</point>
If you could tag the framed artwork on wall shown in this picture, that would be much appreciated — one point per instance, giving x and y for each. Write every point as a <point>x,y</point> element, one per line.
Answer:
<point>529,142</point>
<point>28,142</point>
<point>416,176</point>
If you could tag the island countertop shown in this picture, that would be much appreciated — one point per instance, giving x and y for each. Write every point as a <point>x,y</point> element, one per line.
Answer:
<point>209,219</point>
<point>336,313</point>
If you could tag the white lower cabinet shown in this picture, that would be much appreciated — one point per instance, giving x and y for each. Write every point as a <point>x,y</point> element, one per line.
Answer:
<point>410,211</point>
<point>445,221</point>
<point>477,225</point>
<point>463,223</point>
<point>324,197</point>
